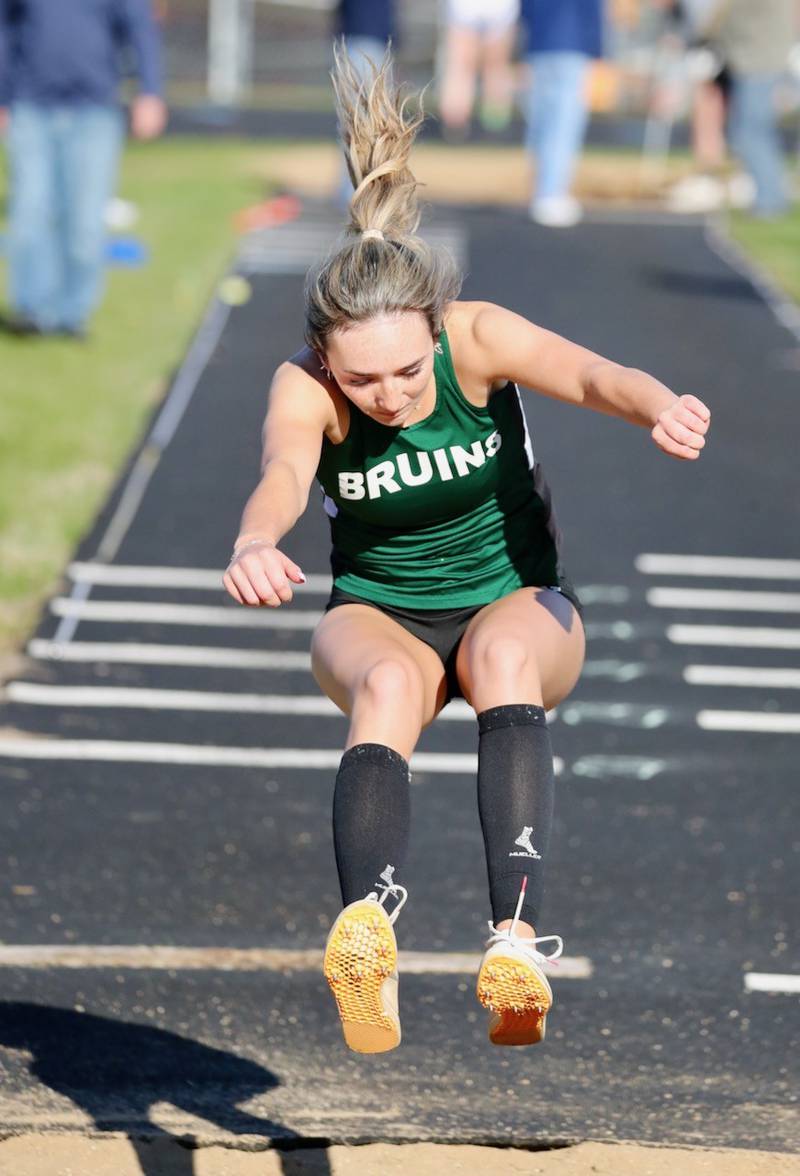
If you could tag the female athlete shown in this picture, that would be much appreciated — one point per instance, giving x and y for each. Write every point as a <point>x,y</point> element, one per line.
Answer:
<point>447,578</point>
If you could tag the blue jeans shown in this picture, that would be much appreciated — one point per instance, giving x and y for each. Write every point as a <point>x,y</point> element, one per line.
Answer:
<point>557,118</point>
<point>755,138</point>
<point>63,167</point>
<point>363,53</point>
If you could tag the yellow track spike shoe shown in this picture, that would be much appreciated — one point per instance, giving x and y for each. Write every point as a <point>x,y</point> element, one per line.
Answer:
<point>513,987</point>
<point>361,968</point>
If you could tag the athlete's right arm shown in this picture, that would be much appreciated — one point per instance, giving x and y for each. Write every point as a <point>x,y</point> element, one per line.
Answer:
<point>299,412</point>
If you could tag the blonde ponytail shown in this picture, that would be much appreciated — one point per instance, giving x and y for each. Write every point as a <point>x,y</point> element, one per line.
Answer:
<point>377,133</point>
<point>382,267</point>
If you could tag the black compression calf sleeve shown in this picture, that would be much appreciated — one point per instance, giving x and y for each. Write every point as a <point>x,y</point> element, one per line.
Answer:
<point>516,789</point>
<point>371,816</point>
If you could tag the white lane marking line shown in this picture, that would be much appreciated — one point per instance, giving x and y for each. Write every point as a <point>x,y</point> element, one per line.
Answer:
<point>604,593</point>
<point>241,617</point>
<point>630,767</point>
<point>194,363</point>
<point>611,630</point>
<point>130,652</point>
<point>119,751</point>
<point>771,982</point>
<point>127,697</point>
<point>734,636</point>
<point>210,579</point>
<point>133,611</point>
<point>718,565</point>
<point>723,720</point>
<point>232,959</point>
<point>616,714</point>
<point>724,599</point>
<point>759,676</point>
<point>34,694</point>
<point>205,579</point>
<point>617,671</point>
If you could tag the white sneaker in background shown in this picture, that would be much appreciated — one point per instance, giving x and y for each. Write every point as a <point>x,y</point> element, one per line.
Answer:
<point>741,190</point>
<point>556,212</point>
<point>121,214</point>
<point>699,193</point>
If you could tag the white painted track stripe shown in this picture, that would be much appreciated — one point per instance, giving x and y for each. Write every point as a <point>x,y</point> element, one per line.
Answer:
<point>205,579</point>
<point>239,617</point>
<point>718,565</point>
<point>307,759</point>
<point>189,753</point>
<point>734,636</point>
<point>771,982</point>
<point>37,694</point>
<point>713,720</point>
<point>133,611</point>
<point>210,579</point>
<point>722,599</point>
<point>758,676</point>
<point>131,652</point>
<point>232,959</point>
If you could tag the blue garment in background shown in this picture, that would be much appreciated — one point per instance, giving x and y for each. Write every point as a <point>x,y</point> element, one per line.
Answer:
<point>367,18</point>
<point>63,165</point>
<point>559,26</point>
<point>72,52</point>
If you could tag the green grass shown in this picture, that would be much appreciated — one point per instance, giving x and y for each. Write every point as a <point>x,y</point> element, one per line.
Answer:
<point>70,412</point>
<point>774,244</point>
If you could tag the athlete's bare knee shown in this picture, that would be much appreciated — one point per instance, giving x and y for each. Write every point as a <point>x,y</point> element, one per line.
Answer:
<point>392,681</point>
<point>504,656</point>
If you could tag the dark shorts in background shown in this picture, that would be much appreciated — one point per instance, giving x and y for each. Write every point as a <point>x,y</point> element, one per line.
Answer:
<point>441,628</point>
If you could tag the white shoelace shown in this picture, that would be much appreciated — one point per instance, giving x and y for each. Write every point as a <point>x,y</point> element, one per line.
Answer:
<point>508,935</point>
<point>390,887</point>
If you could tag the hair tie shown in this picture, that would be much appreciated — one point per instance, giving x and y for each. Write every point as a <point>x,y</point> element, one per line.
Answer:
<point>377,234</point>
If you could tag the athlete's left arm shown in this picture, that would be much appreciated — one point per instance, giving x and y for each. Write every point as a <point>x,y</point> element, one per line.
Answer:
<point>513,348</point>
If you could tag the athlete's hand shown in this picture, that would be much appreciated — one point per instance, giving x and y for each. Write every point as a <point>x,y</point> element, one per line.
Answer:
<point>681,429</point>
<point>260,574</point>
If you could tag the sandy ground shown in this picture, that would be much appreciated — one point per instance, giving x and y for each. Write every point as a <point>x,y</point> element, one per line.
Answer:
<point>53,1155</point>
<point>480,175</point>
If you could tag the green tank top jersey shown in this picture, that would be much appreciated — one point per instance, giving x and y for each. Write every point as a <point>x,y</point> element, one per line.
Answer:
<point>447,513</point>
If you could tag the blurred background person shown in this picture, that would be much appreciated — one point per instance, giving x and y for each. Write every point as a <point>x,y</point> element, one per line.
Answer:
<point>563,38</point>
<point>60,70</point>
<point>710,185</point>
<point>367,27</point>
<point>755,40</point>
<point>478,38</point>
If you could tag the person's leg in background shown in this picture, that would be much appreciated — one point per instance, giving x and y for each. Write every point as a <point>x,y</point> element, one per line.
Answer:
<point>708,127</point>
<point>755,137</point>
<point>89,147</point>
<point>557,119</point>
<point>364,52</point>
<point>497,96</point>
<point>459,74</point>
<point>33,253</point>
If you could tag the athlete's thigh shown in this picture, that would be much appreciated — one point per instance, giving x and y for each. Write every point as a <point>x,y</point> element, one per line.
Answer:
<point>352,638</point>
<point>548,627</point>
